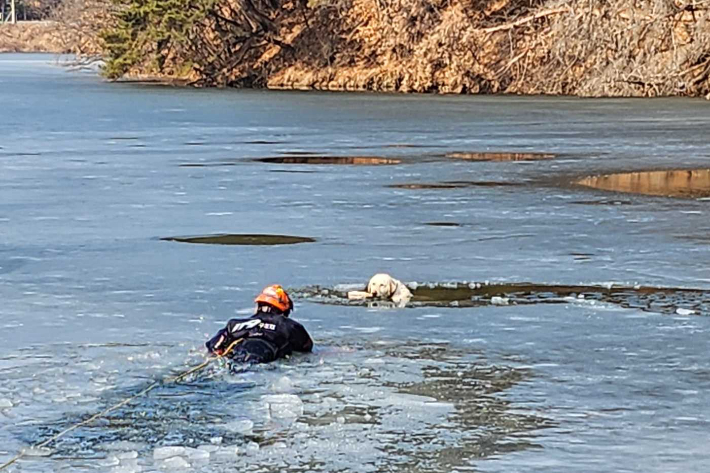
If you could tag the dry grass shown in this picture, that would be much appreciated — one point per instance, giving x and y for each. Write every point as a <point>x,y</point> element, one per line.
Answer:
<point>627,48</point>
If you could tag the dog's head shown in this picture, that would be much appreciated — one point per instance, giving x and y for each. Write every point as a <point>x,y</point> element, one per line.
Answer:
<point>382,285</point>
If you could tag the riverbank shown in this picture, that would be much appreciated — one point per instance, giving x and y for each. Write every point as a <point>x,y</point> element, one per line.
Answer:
<point>621,49</point>
<point>33,37</point>
<point>646,48</point>
<point>55,37</point>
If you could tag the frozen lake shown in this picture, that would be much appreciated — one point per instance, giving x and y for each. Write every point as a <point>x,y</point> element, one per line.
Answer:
<point>95,305</point>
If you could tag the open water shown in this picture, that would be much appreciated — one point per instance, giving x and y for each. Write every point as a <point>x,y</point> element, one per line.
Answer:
<point>94,306</point>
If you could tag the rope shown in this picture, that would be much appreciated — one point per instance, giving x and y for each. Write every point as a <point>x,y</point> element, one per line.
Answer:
<point>155,384</point>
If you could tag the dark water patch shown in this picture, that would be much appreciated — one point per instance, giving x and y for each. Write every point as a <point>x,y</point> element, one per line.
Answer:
<point>20,154</point>
<point>454,184</point>
<point>195,143</point>
<point>499,157</point>
<point>651,299</point>
<point>263,142</point>
<point>206,165</point>
<point>244,239</point>
<point>137,146</point>
<point>665,300</point>
<point>334,160</point>
<point>691,183</point>
<point>442,224</point>
<point>415,186</point>
<point>601,202</point>
<point>704,238</point>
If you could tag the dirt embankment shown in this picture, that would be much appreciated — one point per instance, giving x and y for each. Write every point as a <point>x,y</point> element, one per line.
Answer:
<point>575,47</point>
<point>570,47</point>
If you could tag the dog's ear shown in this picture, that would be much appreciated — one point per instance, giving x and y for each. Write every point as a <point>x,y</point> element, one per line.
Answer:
<point>371,286</point>
<point>393,287</point>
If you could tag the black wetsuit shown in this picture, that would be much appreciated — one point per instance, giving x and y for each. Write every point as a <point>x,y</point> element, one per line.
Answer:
<point>264,337</point>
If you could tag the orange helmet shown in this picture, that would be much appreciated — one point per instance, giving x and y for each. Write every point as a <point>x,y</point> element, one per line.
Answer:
<point>275,296</point>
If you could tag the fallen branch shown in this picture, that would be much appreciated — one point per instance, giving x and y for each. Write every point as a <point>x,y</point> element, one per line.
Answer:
<point>695,67</point>
<point>511,63</point>
<point>527,19</point>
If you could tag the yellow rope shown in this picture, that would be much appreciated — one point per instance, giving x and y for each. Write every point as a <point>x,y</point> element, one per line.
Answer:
<point>145,391</point>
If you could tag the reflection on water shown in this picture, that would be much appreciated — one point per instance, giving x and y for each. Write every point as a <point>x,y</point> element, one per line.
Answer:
<point>651,299</point>
<point>468,156</point>
<point>348,160</point>
<point>680,183</point>
<point>244,239</point>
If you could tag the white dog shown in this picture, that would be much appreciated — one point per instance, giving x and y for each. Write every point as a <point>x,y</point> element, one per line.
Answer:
<point>384,286</point>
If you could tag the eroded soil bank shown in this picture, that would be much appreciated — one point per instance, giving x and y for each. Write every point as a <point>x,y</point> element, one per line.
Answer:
<point>572,47</point>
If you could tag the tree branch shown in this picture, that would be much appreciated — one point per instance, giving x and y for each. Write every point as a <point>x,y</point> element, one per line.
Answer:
<point>527,19</point>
